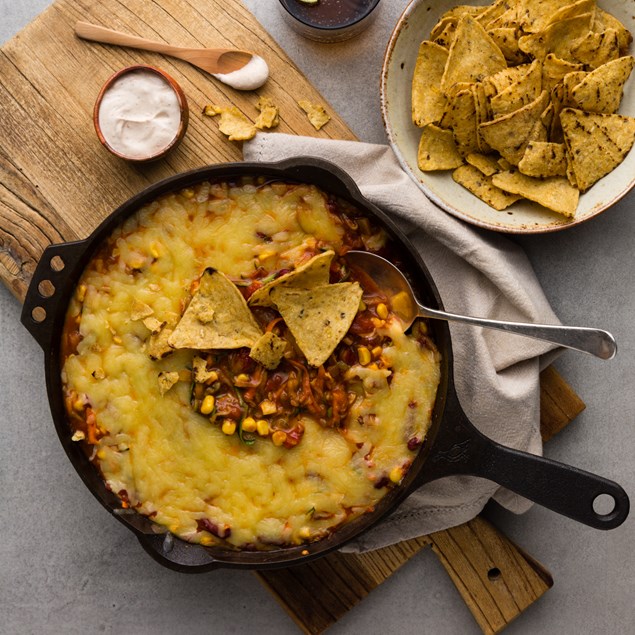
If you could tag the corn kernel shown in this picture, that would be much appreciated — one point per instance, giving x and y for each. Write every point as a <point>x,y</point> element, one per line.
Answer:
<point>377,351</point>
<point>206,541</point>
<point>373,366</point>
<point>154,251</point>
<point>402,304</point>
<point>228,427</point>
<point>78,404</point>
<point>208,405</point>
<point>363,355</point>
<point>101,454</point>
<point>188,193</point>
<point>268,407</point>
<point>279,437</point>
<point>305,552</point>
<point>396,474</point>
<point>262,427</point>
<point>382,310</point>
<point>362,305</point>
<point>267,253</point>
<point>117,340</point>
<point>304,533</point>
<point>249,424</point>
<point>78,435</point>
<point>242,377</point>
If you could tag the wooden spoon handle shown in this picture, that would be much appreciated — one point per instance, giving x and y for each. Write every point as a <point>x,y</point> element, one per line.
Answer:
<point>101,34</point>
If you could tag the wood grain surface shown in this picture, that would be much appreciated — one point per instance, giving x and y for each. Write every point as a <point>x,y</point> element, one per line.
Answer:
<point>57,183</point>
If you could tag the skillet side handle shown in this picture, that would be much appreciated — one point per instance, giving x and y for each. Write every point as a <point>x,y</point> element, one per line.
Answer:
<point>48,293</point>
<point>564,489</point>
<point>177,555</point>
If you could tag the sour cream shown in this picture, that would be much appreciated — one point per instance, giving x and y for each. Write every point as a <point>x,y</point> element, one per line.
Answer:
<point>139,115</point>
<point>251,76</point>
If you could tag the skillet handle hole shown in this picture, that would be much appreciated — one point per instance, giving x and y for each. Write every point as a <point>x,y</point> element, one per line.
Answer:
<point>494,574</point>
<point>38,314</point>
<point>57,263</point>
<point>46,288</point>
<point>603,504</point>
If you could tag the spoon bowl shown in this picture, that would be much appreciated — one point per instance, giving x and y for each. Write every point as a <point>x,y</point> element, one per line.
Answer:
<point>407,308</point>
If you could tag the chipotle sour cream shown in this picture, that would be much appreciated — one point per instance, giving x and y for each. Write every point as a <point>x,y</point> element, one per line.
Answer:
<point>139,114</point>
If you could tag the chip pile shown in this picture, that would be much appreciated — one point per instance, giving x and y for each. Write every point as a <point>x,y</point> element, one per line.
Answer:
<point>520,99</point>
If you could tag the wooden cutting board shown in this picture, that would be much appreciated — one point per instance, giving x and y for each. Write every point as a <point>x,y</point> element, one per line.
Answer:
<point>58,183</point>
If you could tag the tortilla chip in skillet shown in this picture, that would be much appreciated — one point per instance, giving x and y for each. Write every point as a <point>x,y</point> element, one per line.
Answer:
<point>217,317</point>
<point>601,90</point>
<point>596,143</point>
<point>268,350</point>
<point>473,55</point>
<point>313,273</point>
<point>428,102</point>
<point>318,318</point>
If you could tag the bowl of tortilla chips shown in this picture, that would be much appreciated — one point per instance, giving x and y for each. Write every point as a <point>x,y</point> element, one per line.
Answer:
<point>517,116</point>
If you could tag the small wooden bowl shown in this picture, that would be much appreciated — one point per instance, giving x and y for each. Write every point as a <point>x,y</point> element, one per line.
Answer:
<point>183,108</point>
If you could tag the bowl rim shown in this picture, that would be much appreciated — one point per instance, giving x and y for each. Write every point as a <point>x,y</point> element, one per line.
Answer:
<point>335,27</point>
<point>409,10</point>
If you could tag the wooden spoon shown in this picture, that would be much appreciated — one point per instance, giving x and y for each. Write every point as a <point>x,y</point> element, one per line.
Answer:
<point>215,61</point>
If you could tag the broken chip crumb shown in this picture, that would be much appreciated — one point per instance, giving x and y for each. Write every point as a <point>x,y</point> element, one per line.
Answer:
<point>269,113</point>
<point>167,380</point>
<point>316,113</point>
<point>233,122</point>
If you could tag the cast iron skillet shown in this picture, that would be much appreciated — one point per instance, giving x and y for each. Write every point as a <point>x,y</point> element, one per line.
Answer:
<point>453,445</point>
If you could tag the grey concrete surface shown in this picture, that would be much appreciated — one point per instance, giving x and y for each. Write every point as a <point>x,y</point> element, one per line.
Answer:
<point>67,568</point>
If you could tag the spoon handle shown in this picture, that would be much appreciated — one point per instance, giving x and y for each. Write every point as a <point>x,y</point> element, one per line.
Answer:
<point>96,33</point>
<point>588,340</point>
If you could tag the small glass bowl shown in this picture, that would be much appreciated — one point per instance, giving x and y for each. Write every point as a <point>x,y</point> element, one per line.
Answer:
<point>329,20</point>
<point>182,104</point>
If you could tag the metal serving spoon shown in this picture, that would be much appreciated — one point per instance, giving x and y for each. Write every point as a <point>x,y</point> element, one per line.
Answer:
<point>215,61</point>
<point>403,302</point>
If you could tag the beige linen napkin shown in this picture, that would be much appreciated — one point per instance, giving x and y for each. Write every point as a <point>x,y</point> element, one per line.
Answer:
<point>477,273</point>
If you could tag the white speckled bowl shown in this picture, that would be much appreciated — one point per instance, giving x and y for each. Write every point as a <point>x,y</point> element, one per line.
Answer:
<point>523,217</point>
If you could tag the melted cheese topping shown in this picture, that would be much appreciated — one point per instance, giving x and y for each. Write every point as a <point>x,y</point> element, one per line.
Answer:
<point>171,463</point>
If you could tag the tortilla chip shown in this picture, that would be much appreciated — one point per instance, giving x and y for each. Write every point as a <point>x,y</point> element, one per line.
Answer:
<point>487,165</point>
<point>200,373</point>
<point>557,38</point>
<point>437,150</point>
<point>157,345</point>
<point>482,186</point>
<point>428,102</point>
<point>473,55</point>
<point>167,380</point>
<point>268,350</point>
<point>231,325</point>
<point>492,12</point>
<point>520,93</point>
<point>152,324</point>
<point>316,113</point>
<point>506,38</point>
<point>572,10</point>
<point>596,49</point>
<point>596,143</point>
<point>445,38</point>
<point>543,159</point>
<point>313,273</point>
<point>482,113</point>
<point>233,123</point>
<point>510,133</point>
<point>603,21</point>
<point>140,310</point>
<point>554,69</point>
<point>509,19</point>
<point>504,79</point>
<point>318,318</point>
<point>554,193</point>
<point>269,113</point>
<point>536,15</point>
<point>601,90</point>
<point>460,117</point>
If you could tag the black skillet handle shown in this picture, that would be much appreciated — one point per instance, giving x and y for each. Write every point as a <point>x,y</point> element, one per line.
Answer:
<point>48,292</point>
<point>176,554</point>
<point>461,449</point>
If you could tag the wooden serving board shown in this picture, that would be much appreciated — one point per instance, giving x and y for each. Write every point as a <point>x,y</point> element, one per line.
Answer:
<point>57,183</point>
